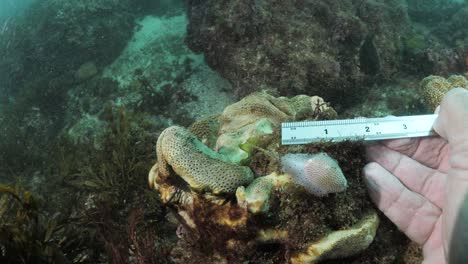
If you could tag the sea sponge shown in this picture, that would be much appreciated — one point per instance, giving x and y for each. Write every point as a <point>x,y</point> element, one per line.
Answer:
<point>258,195</point>
<point>202,168</point>
<point>318,173</point>
<point>435,87</point>
<point>258,116</point>
<point>458,81</point>
<point>206,130</point>
<point>341,243</point>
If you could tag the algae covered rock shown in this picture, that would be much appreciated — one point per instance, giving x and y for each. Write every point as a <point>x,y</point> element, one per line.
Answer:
<point>328,48</point>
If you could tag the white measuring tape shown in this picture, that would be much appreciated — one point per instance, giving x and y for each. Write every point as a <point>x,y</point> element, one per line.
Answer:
<point>360,128</point>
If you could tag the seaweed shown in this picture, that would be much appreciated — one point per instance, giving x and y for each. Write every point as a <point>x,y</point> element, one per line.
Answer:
<point>126,216</point>
<point>96,206</point>
<point>28,235</point>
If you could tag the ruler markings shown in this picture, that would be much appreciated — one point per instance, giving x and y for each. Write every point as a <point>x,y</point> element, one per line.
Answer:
<point>359,128</point>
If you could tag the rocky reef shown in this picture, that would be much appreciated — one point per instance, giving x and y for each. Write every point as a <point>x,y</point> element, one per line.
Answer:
<point>86,88</point>
<point>240,205</point>
<point>327,48</point>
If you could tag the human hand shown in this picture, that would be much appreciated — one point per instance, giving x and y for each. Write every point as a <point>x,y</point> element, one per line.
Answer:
<point>420,184</point>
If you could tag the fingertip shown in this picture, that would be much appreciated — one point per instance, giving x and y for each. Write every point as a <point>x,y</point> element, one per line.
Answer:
<point>453,111</point>
<point>383,186</point>
<point>371,172</point>
<point>370,169</point>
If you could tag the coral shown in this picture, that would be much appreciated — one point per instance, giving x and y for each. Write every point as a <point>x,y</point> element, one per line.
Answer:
<point>340,244</point>
<point>318,173</point>
<point>435,87</point>
<point>201,167</point>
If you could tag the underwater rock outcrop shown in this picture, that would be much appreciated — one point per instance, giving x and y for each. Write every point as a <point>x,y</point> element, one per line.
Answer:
<point>271,218</point>
<point>437,45</point>
<point>53,39</point>
<point>327,48</point>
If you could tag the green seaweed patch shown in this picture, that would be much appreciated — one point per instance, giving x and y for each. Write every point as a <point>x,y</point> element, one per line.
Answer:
<point>250,147</point>
<point>415,43</point>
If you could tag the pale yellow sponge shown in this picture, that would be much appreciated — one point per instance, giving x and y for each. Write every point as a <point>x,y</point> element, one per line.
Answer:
<point>258,115</point>
<point>318,173</point>
<point>342,243</point>
<point>435,87</point>
<point>202,168</point>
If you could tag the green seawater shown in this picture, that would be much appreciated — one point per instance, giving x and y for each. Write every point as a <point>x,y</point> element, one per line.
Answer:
<point>87,86</point>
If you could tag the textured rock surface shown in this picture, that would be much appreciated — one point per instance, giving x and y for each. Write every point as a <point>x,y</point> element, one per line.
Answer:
<point>54,38</point>
<point>327,48</point>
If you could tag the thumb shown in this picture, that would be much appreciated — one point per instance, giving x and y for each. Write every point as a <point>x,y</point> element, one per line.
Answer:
<point>452,122</point>
<point>452,125</point>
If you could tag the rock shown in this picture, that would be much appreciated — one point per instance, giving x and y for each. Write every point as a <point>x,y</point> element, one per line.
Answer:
<point>86,71</point>
<point>321,47</point>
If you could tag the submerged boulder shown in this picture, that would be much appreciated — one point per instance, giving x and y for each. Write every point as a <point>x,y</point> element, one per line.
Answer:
<point>328,48</point>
